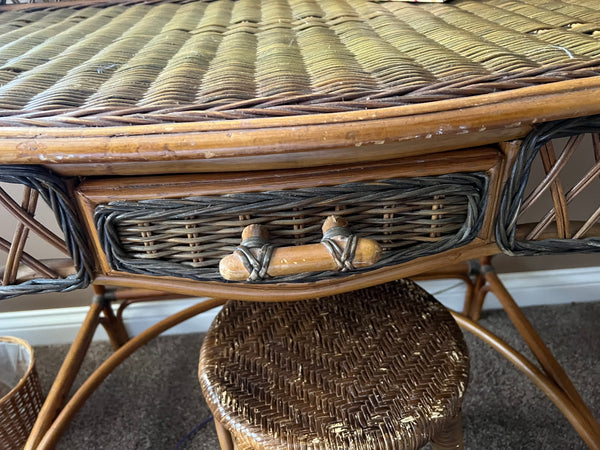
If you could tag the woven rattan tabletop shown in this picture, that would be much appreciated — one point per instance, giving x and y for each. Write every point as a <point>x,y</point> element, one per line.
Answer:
<point>224,65</point>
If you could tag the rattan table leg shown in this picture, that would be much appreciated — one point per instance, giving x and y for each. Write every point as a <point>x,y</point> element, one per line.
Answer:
<point>486,281</point>
<point>541,380</point>
<point>115,328</point>
<point>65,417</point>
<point>451,438</point>
<point>480,290</point>
<point>546,359</point>
<point>66,377</point>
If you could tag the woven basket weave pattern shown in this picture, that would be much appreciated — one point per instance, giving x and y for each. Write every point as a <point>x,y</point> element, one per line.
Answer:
<point>151,62</point>
<point>19,408</point>
<point>385,365</point>
<point>188,237</point>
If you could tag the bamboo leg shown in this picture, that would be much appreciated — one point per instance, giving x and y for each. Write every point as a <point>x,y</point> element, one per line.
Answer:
<point>540,350</point>
<point>65,417</point>
<point>469,295</point>
<point>480,291</point>
<point>115,329</point>
<point>451,437</point>
<point>66,377</point>
<point>546,385</point>
<point>225,439</point>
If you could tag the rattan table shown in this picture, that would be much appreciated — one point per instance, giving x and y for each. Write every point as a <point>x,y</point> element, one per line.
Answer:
<point>158,130</point>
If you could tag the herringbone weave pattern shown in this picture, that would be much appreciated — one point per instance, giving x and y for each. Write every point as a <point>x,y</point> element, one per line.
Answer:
<point>384,367</point>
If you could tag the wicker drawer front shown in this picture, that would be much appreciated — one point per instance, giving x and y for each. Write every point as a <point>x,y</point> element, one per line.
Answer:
<point>187,237</point>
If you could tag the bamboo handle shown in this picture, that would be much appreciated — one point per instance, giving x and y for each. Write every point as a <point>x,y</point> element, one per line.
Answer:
<point>300,259</point>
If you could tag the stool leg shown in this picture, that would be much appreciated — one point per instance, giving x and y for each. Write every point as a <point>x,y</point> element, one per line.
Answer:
<point>224,436</point>
<point>451,437</point>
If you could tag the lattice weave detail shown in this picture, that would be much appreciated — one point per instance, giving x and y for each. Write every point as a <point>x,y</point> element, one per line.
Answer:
<point>40,181</point>
<point>555,232</point>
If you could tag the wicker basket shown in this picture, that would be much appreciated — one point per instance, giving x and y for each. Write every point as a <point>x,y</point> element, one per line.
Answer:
<point>23,398</point>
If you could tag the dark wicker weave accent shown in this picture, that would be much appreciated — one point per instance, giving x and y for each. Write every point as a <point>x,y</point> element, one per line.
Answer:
<point>384,367</point>
<point>54,192</point>
<point>187,238</point>
<point>145,62</point>
<point>513,195</point>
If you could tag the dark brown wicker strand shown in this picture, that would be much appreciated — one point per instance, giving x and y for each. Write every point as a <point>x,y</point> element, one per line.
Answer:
<point>513,194</point>
<point>54,192</point>
<point>384,367</point>
<point>111,63</point>
<point>410,218</point>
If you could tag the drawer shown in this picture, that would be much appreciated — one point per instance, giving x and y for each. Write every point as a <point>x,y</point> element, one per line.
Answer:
<point>183,226</point>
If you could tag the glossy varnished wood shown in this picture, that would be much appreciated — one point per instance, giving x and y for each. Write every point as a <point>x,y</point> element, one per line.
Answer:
<point>177,186</point>
<point>293,142</point>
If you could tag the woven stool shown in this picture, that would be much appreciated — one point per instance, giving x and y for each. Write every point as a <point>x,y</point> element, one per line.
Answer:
<point>380,368</point>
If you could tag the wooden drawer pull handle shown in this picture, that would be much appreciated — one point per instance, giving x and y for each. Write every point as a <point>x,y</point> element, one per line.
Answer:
<point>339,250</point>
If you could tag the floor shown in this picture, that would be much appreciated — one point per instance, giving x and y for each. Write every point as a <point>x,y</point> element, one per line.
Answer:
<point>153,400</point>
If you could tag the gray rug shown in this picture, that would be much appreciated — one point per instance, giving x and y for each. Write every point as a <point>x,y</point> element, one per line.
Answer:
<point>153,400</point>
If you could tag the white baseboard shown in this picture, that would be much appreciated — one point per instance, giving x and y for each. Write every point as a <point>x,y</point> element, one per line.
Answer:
<point>59,326</point>
<point>547,287</point>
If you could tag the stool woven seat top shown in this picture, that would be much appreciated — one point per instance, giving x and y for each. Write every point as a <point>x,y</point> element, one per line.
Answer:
<point>384,367</point>
<point>106,63</point>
